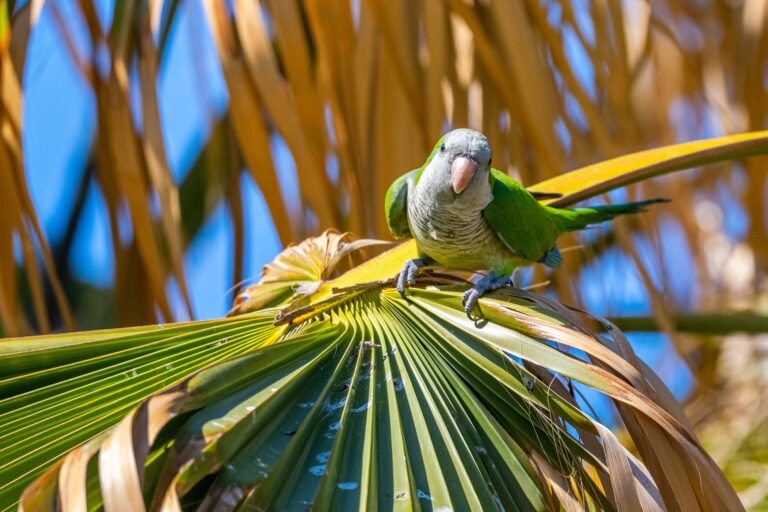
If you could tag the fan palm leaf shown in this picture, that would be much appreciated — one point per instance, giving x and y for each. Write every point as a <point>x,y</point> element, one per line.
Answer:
<point>373,402</point>
<point>327,389</point>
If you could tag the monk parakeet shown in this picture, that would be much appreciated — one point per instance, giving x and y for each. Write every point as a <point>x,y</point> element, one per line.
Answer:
<point>463,214</point>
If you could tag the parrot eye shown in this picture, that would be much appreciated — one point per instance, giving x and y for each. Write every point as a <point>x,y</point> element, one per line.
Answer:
<point>442,148</point>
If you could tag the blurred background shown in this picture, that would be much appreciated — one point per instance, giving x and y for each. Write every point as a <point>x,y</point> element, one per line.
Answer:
<point>155,155</point>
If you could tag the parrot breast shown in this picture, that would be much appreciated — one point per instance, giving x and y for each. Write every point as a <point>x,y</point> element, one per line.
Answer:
<point>454,234</point>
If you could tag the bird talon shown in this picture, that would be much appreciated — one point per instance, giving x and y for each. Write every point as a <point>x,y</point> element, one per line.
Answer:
<point>407,276</point>
<point>400,287</point>
<point>410,276</point>
<point>469,301</point>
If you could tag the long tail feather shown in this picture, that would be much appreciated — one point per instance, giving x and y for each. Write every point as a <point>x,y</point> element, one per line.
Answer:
<point>579,218</point>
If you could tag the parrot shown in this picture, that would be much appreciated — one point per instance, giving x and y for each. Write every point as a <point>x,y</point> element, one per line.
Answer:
<point>464,214</point>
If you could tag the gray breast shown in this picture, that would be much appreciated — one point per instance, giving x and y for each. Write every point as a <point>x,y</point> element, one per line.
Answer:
<point>453,235</point>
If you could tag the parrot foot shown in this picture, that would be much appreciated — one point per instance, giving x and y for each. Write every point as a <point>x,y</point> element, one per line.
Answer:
<point>487,284</point>
<point>407,275</point>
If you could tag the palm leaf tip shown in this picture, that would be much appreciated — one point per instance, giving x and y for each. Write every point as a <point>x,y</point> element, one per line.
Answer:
<point>374,402</point>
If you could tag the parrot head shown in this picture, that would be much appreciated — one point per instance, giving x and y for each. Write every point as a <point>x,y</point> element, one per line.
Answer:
<point>459,166</point>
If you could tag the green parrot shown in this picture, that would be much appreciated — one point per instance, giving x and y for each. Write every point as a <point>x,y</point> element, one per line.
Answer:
<point>463,214</point>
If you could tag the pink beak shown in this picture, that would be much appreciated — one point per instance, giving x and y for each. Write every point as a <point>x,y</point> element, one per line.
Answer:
<point>462,171</point>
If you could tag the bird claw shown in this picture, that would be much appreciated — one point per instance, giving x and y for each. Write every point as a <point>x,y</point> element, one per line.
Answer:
<point>489,283</point>
<point>407,275</point>
<point>469,301</point>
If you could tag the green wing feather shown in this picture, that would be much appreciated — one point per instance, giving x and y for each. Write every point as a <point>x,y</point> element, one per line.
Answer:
<point>520,221</point>
<point>543,196</point>
<point>396,201</point>
<point>396,205</point>
<point>579,218</point>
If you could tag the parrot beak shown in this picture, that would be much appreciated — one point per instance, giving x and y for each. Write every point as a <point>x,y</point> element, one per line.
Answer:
<point>462,171</point>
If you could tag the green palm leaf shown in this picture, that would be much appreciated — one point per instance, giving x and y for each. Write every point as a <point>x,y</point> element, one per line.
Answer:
<point>356,399</point>
<point>376,402</point>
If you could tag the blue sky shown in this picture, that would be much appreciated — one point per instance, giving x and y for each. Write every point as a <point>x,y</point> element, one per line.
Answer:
<point>59,120</point>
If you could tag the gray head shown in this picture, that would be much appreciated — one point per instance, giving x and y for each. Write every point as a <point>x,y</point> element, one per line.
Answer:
<point>458,167</point>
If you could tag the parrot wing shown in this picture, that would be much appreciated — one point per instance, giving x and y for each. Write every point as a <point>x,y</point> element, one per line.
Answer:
<point>519,220</point>
<point>396,205</point>
<point>543,196</point>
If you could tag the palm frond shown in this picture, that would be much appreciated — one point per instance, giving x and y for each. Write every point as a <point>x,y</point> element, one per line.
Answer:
<point>372,402</point>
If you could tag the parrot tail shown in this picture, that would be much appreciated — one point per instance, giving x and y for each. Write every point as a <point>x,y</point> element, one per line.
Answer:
<point>579,218</point>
